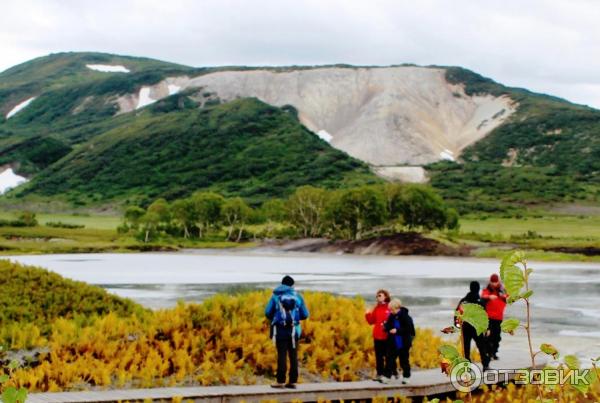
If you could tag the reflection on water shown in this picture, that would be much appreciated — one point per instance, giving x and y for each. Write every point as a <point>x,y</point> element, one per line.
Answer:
<point>566,302</point>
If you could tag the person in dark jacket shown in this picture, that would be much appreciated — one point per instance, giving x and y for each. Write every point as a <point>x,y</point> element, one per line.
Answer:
<point>401,331</point>
<point>377,316</point>
<point>494,296</point>
<point>285,310</point>
<point>468,331</point>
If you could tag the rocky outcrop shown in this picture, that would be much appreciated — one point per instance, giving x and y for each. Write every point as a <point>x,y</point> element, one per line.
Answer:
<point>386,116</point>
<point>405,243</point>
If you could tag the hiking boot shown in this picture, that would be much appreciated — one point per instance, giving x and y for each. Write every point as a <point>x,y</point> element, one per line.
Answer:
<point>405,380</point>
<point>495,357</point>
<point>290,385</point>
<point>278,385</point>
<point>377,378</point>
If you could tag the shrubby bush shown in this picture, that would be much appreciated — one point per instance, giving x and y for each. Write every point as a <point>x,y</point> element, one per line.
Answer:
<point>310,211</point>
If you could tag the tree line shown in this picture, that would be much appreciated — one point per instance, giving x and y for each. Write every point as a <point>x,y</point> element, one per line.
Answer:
<point>354,213</point>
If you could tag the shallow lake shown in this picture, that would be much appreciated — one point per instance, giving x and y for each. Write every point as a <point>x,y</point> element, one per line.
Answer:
<point>566,303</point>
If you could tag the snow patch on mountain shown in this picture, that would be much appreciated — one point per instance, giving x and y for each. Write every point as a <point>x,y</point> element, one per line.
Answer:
<point>324,135</point>
<point>447,155</point>
<point>9,180</point>
<point>173,89</point>
<point>19,107</point>
<point>144,98</point>
<point>105,68</point>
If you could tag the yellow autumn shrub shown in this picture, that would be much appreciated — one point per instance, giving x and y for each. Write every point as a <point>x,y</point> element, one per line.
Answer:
<point>224,340</point>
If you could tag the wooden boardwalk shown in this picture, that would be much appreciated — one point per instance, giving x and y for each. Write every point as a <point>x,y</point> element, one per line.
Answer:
<point>422,383</point>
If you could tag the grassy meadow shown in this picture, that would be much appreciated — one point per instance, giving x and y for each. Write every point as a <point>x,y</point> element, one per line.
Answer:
<point>99,234</point>
<point>556,226</point>
<point>549,236</point>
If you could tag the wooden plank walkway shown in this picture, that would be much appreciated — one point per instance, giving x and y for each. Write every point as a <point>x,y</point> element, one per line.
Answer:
<point>422,383</point>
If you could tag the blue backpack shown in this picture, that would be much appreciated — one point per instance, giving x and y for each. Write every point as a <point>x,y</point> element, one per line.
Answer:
<point>287,313</point>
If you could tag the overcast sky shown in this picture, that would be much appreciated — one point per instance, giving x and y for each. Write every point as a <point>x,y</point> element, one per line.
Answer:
<point>546,46</point>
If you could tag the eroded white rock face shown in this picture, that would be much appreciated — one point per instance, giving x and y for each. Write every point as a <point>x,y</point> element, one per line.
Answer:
<point>384,116</point>
<point>106,68</point>
<point>9,180</point>
<point>402,174</point>
<point>18,108</point>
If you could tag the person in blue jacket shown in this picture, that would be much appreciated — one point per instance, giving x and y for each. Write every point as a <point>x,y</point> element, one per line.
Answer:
<point>285,310</point>
<point>401,332</point>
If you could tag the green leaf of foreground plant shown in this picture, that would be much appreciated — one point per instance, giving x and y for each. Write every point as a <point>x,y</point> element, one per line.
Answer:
<point>511,260</point>
<point>580,386</point>
<point>510,325</point>
<point>9,395</point>
<point>458,360</point>
<point>448,352</point>
<point>21,395</point>
<point>572,362</point>
<point>476,316</point>
<point>527,294</point>
<point>549,349</point>
<point>513,280</point>
<point>4,378</point>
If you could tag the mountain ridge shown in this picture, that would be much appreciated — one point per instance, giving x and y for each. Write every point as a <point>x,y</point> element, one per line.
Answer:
<point>528,132</point>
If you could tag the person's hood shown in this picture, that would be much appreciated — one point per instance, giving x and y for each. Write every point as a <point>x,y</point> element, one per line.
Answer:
<point>403,311</point>
<point>283,289</point>
<point>475,287</point>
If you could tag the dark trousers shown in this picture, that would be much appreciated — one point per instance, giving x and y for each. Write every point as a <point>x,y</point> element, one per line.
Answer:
<point>393,354</point>
<point>495,336</point>
<point>469,333</point>
<point>380,356</point>
<point>286,348</point>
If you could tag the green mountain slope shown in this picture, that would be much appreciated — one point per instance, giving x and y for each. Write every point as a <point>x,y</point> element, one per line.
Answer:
<point>244,148</point>
<point>72,104</point>
<point>74,145</point>
<point>549,150</point>
<point>61,70</point>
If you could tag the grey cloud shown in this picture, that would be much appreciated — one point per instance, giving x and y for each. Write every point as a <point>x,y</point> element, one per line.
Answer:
<point>547,46</point>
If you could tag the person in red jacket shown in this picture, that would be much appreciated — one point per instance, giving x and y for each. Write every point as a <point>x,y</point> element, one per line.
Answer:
<point>377,316</point>
<point>494,297</point>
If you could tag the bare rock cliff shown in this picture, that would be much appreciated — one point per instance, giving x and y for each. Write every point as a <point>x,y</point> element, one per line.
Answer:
<point>385,116</point>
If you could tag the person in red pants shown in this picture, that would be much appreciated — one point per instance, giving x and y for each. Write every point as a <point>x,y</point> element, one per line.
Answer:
<point>377,316</point>
<point>494,297</point>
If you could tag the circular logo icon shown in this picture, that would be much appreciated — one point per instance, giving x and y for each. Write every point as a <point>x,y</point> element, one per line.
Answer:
<point>466,376</point>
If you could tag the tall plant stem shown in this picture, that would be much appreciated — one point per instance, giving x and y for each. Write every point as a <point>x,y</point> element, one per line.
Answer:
<point>528,328</point>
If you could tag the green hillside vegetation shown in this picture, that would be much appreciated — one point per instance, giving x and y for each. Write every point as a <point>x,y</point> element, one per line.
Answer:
<point>244,148</point>
<point>32,295</point>
<point>548,151</point>
<point>73,103</point>
<point>60,70</point>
